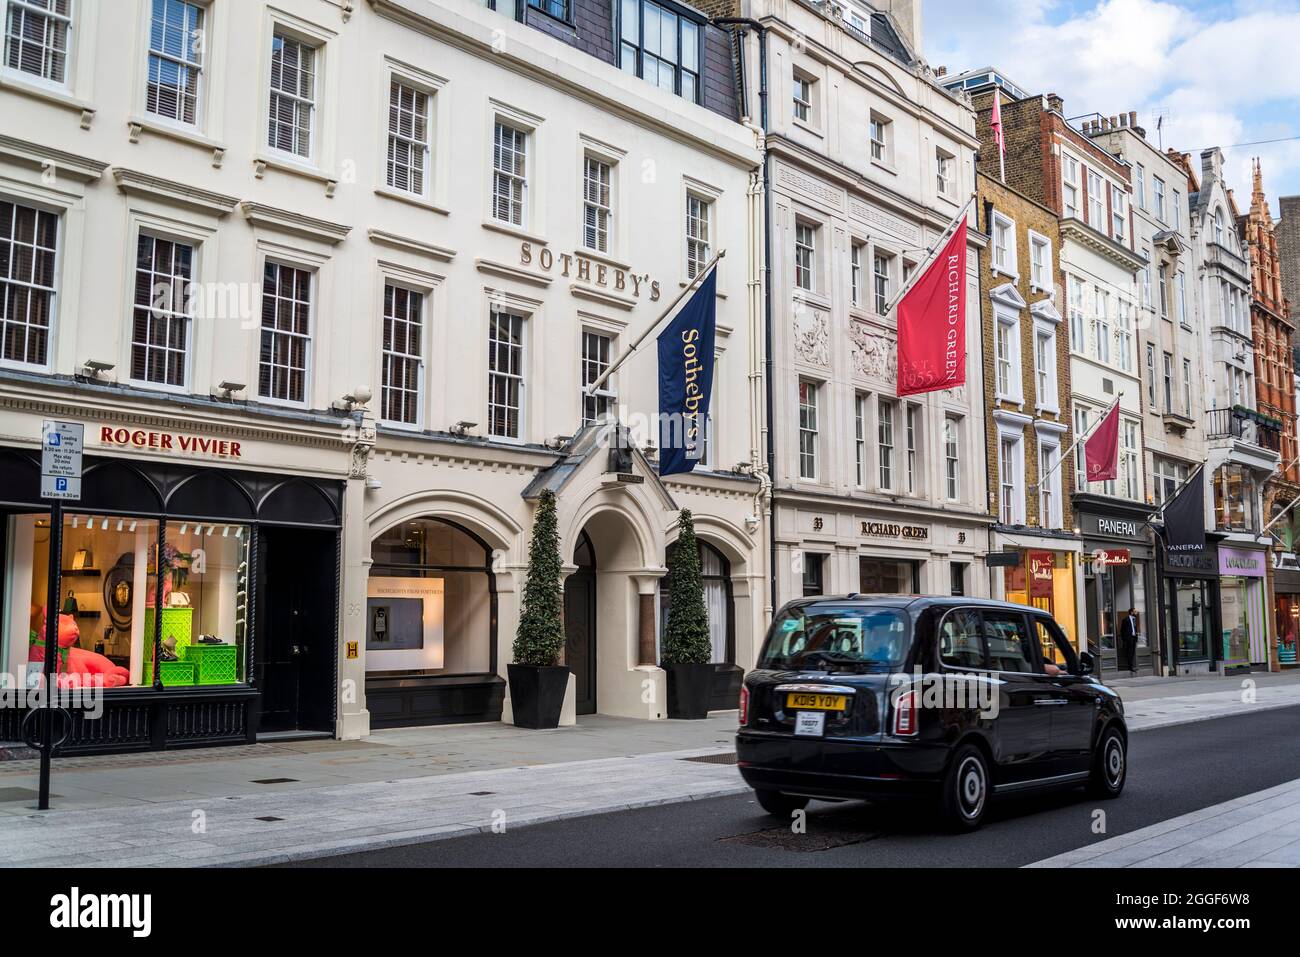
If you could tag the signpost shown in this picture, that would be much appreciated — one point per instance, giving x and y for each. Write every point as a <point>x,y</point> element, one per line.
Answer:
<point>61,446</point>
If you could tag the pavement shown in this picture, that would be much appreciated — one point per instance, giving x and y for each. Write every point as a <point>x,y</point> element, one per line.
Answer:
<point>287,801</point>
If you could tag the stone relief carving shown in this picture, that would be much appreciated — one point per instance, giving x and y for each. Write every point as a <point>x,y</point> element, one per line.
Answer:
<point>811,334</point>
<point>875,355</point>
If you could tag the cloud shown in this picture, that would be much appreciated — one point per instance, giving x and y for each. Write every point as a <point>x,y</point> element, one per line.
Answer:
<point>1218,71</point>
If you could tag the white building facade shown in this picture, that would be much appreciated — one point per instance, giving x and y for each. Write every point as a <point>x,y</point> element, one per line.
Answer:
<point>324,283</point>
<point>870,160</point>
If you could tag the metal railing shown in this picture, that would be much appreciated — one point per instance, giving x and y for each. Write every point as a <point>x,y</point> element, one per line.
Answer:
<point>1242,425</point>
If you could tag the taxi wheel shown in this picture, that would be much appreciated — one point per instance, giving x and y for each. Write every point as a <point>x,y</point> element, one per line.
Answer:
<point>1109,765</point>
<point>780,805</point>
<point>966,789</point>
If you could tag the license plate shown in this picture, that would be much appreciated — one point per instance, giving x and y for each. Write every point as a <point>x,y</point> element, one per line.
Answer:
<point>816,702</point>
<point>810,723</point>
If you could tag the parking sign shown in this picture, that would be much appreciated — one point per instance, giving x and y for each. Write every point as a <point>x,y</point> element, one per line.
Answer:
<point>61,444</point>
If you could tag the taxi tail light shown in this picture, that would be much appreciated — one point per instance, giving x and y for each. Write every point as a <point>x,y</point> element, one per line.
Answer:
<point>906,714</point>
<point>744,705</point>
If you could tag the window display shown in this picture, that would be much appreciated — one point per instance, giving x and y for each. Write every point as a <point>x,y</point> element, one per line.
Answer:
<point>431,605</point>
<point>1045,579</point>
<point>1235,612</point>
<point>878,576</point>
<point>1192,617</point>
<point>109,614</point>
<point>1288,628</point>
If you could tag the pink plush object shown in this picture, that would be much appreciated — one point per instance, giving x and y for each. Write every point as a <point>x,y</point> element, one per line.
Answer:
<point>82,668</point>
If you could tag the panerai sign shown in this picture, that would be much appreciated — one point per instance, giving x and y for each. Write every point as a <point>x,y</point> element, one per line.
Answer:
<point>1117,526</point>
<point>572,265</point>
<point>151,441</point>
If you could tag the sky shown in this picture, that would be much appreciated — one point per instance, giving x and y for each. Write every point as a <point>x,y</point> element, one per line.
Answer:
<point>1220,72</point>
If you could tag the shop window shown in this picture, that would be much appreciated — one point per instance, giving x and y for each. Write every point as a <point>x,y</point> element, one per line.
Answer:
<point>1288,628</point>
<point>1192,618</point>
<point>1234,497</point>
<point>878,576</point>
<point>813,581</point>
<point>1044,580</point>
<point>109,600</point>
<point>431,601</point>
<point>715,571</point>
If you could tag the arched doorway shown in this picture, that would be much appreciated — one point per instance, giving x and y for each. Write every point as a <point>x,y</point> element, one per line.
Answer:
<point>580,625</point>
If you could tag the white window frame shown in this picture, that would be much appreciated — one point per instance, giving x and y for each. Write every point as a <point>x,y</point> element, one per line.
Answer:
<point>591,368</point>
<point>512,176</point>
<point>422,147</point>
<point>55,291</point>
<point>912,445</point>
<point>809,451</point>
<point>1004,259</point>
<point>1101,324</point>
<point>1130,457</point>
<point>1077,315</point>
<point>1140,177</point>
<point>313,316</point>
<point>1158,189</point>
<point>1040,270</point>
<point>861,415</point>
<point>699,248</point>
<point>196,61</point>
<point>1047,398</point>
<point>945,171</point>
<point>420,358</point>
<point>1117,212</point>
<point>879,138</point>
<point>882,281</point>
<point>1070,187</point>
<point>803,108</point>
<point>1008,386</point>
<point>1124,333</point>
<point>1180,298</point>
<point>805,247</point>
<point>1097,201</point>
<point>952,458</point>
<point>857,250</point>
<point>592,206</point>
<point>1011,494</point>
<point>1187,387</point>
<point>1152,386</point>
<point>196,278</point>
<point>69,21</point>
<point>521,377</point>
<point>286,33</point>
<point>886,444</point>
<point>1051,505</point>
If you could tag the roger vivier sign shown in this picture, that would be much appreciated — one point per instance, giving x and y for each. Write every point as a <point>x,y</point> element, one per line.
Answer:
<point>914,533</point>
<point>584,269</point>
<point>175,442</point>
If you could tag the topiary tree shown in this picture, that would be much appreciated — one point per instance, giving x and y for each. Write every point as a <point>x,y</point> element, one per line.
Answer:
<point>686,637</point>
<point>541,622</point>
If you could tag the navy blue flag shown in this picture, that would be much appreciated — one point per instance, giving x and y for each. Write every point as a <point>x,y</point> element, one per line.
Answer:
<point>1184,515</point>
<point>686,380</point>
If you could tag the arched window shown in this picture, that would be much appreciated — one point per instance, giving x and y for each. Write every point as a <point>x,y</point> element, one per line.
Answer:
<point>431,605</point>
<point>1218,225</point>
<point>716,573</point>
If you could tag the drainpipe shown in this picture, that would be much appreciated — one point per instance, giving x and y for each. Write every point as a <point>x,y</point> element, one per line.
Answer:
<point>745,24</point>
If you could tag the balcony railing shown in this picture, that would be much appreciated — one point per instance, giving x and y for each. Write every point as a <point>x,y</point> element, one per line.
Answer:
<point>1243,425</point>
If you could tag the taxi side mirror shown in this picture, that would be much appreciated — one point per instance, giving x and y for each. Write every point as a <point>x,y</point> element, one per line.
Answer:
<point>1086,663</point>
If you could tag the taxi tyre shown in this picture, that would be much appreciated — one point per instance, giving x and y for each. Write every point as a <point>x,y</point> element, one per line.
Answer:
<point>964,795</point>
<point>779,804</point>
<point>1109,765</point>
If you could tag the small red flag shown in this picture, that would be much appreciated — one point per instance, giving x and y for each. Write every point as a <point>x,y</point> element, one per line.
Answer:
<point>932,324</point>
<point>1101,451</point>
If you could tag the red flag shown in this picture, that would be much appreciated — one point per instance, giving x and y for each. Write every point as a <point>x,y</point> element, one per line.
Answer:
<point>1101,451</point>
<point>932,324</point>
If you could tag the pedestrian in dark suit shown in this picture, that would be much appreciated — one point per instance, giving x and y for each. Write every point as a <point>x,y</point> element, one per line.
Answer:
<point>1128,640</point>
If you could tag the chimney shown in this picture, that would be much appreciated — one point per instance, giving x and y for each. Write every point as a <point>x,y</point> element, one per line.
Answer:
<point>1114,122</point>
<point>1133,118</point>
<point>942,71</point>
<point>1123,120</point>
<point>1054,102</point>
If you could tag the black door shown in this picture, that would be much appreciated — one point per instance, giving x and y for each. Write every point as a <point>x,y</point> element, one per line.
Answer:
<point>296,648</point>
<point>580,626</point>
<point>1024,720</point>
<point>1075,714</point>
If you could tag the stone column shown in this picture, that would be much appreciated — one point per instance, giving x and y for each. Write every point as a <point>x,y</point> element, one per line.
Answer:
<point>353,717</point>
<point>646,629</point>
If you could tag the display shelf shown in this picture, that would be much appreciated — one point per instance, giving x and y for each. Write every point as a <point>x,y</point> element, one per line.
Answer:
<point>81,573</point>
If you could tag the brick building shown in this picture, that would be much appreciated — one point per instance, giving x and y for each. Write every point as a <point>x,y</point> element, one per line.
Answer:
<point>1088,188</point>
<point>1274,335</point>
<point>1026,365</point>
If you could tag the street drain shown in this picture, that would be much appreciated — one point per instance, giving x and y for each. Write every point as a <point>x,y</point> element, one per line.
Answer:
<point>275,781</point>
<point>481,793</point>
<point>816,839</point>
<point>269,817</point>
<point>728,758</point>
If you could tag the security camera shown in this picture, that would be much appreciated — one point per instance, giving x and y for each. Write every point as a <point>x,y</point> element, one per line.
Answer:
<point>358,396</point>
<point>97,367</point>
<point>463,427</point>
<point>227,388</point>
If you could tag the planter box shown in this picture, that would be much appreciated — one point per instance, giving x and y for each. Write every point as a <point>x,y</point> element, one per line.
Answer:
<point>537,694</point>
<point>690,688</point>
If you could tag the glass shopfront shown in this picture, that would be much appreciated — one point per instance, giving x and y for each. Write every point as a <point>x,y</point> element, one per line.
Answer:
<point>1287,627</point>
<point>203,599</point>
<point>885,576</point>
<point>1191,607</point>
<point>1045,579</point>
<point>1118,570</point>
<point>1243,623</point>
<point>113,602</point>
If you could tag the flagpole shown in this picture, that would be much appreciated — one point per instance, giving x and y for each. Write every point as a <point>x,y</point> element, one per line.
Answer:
<point>930,256</point>
<point>627,353</point>
<point>1061,459</point>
